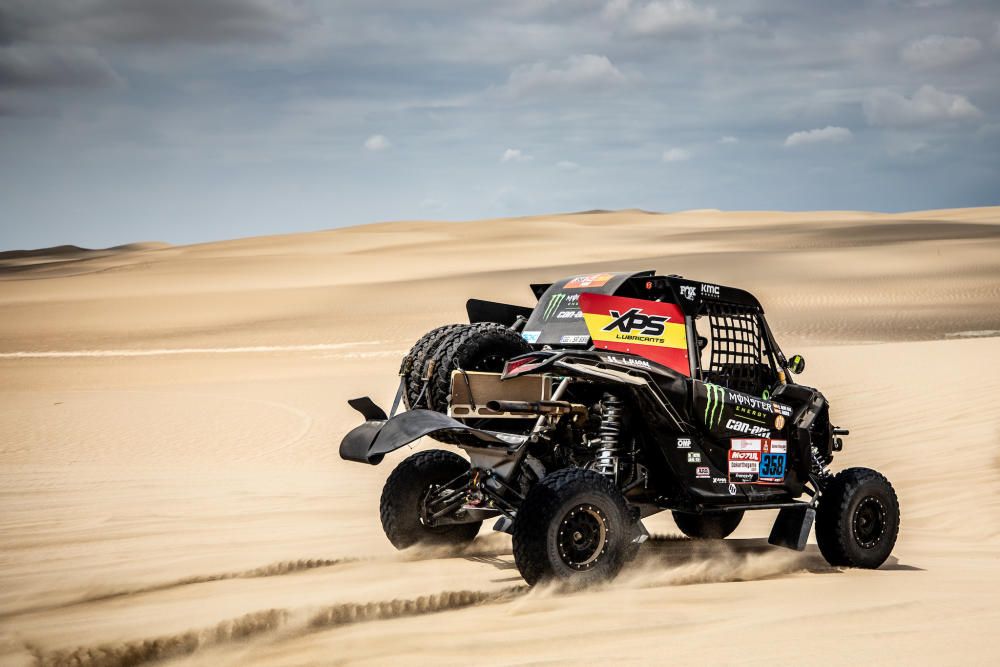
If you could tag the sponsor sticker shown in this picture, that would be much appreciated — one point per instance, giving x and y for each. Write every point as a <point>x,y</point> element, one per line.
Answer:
<point>694,457</point>
<point>683,443</point>
<point>574,340</point>
<point>779,422</point>
<point>757,461</point>
<point>654,330</point>
<point>688,292</point>
<point>593,280</point>
<point>531,336</point>
<point>713,406</point>
<point>747,429</point>
<point>732,489</point>
<point>709,290</point>
<point>750,414</point>
<point>552,305</point>
<point>772,468</point>
<point>627,361</point>
<point>783,410</point>
<point>702,472</point>
<point>746,445</point>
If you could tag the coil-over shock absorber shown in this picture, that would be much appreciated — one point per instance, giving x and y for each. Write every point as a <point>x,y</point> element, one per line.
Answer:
<point>609,434</point>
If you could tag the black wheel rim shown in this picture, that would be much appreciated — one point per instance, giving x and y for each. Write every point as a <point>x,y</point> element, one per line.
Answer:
<point>869,522</point>
<point>582,537</point>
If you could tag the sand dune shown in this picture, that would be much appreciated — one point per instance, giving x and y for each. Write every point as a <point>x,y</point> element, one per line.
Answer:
<point>170,486</point>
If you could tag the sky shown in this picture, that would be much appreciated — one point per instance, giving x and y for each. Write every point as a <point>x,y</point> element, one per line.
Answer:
<point>196,120</point>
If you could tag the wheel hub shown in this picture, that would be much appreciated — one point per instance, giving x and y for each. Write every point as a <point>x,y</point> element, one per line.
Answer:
<point>583,537</point>
<point>870,522</point>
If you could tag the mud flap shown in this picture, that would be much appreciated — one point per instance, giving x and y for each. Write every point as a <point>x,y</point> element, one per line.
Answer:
<point>370,442</point>
<point>791,528</point>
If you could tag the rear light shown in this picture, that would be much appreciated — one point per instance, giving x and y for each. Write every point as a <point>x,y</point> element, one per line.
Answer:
<point>520,366</point>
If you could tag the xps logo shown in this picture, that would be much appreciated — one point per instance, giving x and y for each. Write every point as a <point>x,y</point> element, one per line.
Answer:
<point>634,319</point>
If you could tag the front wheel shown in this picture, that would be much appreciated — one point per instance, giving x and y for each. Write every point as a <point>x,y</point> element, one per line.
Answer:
<point>574,526</point>
<point>857,520</point>
<point>715,526</point>
<point>401,506</point>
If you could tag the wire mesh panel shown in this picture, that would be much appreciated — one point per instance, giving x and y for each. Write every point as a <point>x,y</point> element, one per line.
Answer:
<point>737,356</point>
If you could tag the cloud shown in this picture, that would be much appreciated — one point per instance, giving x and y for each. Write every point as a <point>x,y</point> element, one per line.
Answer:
<point>616,9</point>
<point>515,155</point>
<point>578,73</point>
<point>148,21</point>
<point>826,135</point>
<point>728,140</point>
<point>377,142</point>
<point>667,17</point>
<point>33,66</point>
<point>567,165</point>
<point>676,155</point>
<point>928,105</point>
<point>940,51</point>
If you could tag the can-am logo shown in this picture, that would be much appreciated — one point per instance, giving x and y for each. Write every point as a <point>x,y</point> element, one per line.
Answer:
<point>633,320</point>
<point>688,292</point>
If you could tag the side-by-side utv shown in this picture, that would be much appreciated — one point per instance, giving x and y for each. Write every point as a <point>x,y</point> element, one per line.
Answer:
<point>617,396</point>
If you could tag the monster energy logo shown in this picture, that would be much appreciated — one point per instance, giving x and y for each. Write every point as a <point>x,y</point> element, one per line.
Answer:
<point>552,306</point>
<point>713,409</point>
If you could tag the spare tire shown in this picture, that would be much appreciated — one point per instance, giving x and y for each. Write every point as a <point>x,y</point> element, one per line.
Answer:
<point>484,346</point>
<point>413,370</point>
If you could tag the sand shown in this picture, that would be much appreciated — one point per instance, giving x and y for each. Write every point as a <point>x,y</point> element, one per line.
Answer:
<point>169,420</point>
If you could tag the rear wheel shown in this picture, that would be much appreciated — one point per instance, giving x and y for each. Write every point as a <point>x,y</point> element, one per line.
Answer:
<point>401,506</point>
<point>573,526</point>
<point>715,526</point>
<point>857,520</point>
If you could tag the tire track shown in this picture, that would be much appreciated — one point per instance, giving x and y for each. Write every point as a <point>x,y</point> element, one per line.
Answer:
<point>272,570</point>
<point>248,626</point>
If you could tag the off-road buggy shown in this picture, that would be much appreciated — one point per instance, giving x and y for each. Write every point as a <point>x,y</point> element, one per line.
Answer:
<point>617,396</point>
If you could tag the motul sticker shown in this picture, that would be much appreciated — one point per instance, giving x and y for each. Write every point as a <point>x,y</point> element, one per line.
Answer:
<point>649,329</point>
